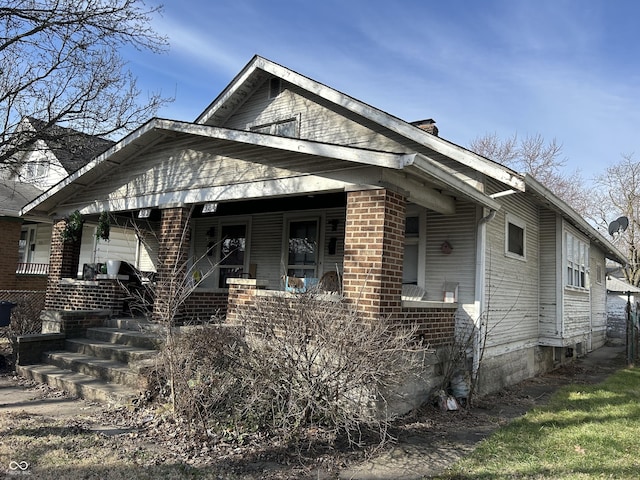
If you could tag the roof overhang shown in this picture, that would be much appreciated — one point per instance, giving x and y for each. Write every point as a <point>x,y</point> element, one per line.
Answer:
<point>156,130</point>
<point>611,252</point>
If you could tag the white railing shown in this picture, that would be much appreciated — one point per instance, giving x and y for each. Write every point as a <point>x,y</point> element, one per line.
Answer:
<point>32,269</point>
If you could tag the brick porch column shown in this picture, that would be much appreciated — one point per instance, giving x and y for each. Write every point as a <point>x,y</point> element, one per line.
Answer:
<point>63,261</point>
<point>173,254</point>
<point>374,252</point>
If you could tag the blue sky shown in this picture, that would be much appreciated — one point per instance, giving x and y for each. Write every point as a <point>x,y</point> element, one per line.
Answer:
<point>565,69</point>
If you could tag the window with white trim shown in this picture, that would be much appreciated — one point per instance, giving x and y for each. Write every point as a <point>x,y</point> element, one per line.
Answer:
<point>577,255</point>
<point>515,237</point>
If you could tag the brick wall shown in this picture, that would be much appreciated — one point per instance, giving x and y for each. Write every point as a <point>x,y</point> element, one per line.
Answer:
<point>436,325</point>
<point>85,295</point>
<point>9,239</point>
<point>202,306</point>
<point>173,254</point>
<point>374,252</point>
<point>31,282</point>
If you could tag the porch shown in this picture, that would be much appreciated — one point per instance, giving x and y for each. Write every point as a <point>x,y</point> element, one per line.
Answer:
<point>210,261</point>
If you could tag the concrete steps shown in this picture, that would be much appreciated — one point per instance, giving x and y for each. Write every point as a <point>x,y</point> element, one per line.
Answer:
<point>109,365</point>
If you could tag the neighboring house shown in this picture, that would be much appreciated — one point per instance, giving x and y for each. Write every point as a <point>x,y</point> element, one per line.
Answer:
<point>621,296</point>
<point>58,152</point>
<point>15,242</point>
<point>282,176</point>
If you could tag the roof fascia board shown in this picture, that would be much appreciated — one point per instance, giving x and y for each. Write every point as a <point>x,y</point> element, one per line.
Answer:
<point>424,164</point>
<point>577,220</point>
<point>440,145</point>
<point>296,145</point>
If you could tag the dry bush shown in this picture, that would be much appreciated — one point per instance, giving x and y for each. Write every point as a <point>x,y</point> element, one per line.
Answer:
<point>305,363</point>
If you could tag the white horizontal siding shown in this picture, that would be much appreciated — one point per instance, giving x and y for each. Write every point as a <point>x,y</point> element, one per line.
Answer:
<point>43,243</point>
<point>512,284</point>
<point>550,274</point>
<point>458,266</point>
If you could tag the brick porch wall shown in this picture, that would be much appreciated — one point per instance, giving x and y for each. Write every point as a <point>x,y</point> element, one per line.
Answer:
<point>85,295</point>
<point>63,263</point>
<point>31,282</point>
<point>205,306</point>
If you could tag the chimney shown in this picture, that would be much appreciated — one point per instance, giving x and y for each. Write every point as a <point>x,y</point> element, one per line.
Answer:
<point>428,125</point>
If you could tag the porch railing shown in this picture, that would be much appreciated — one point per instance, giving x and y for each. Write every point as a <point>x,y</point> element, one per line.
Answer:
<point>32,269</point>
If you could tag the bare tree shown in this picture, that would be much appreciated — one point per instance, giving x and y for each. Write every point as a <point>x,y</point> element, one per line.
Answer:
<point>541,159</point>
<point>618,194</point>
<point>60,63</point>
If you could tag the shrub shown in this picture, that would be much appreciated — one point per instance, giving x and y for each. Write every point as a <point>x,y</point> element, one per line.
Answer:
<point>304,362</point>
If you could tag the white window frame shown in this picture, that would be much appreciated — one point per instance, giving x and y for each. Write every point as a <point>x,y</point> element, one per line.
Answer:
<point>319,219</point>
<point>518,222</point>
<point>213,279</point>
<point>576,261</point>
<point>420,241</point>
<point>25,250</point>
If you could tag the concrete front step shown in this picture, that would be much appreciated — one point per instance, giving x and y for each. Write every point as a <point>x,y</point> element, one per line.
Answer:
<point>125,337</point>
<point>108,370</point>
<point>136,324</point>
<point>79,384</point>
<point>109,351</point>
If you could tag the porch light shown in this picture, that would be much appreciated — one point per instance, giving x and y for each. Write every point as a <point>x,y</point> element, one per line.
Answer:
<point>144,213</point>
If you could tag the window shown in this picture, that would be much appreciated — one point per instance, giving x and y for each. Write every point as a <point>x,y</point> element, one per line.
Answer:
<point>232,252</point>
<point>599,273</point>
<point>27,244</point>
<point>516,238</point>
<point>411,250</point>
<point>577,254</point>
<point>275,87</point>
<point>302,253</point>
<point>281,128</point>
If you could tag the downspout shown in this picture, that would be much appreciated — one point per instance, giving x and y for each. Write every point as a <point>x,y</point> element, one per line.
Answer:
<point>480,301</point>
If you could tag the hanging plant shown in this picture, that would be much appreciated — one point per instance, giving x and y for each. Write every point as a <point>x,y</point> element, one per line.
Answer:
<point>104,226</point>
<point>73,228</point>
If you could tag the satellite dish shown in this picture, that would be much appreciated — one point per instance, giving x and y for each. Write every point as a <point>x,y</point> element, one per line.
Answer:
<point>619,225</point>
<point>624,223</point>
<point>614,227</point>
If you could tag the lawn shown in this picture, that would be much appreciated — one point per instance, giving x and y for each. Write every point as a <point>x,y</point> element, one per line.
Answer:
<point>584,432</point>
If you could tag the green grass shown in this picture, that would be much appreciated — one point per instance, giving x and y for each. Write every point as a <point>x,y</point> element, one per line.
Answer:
<point>584,432</point>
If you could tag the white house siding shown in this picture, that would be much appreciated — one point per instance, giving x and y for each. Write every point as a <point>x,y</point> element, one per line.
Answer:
<point>512,285</point>
<point>122,245</point>
<point>458,266</point>
<point>43,244</point>
<point>598,291</point>
<point>550,275</point>
<point>315,121</point>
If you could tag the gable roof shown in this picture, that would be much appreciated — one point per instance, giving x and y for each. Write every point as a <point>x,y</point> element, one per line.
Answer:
<point>72,148</point>
<point>259,68</point>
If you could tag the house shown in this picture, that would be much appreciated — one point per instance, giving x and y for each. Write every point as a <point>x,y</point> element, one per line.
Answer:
<point>54,153</point>
<point>622,299</point>
<point>284,177</point>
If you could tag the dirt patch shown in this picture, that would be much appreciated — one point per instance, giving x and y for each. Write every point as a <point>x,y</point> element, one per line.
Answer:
<point>147,441</point>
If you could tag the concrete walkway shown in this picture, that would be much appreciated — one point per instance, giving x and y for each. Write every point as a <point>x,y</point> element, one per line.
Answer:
<point>426,456</point>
